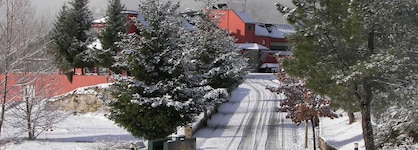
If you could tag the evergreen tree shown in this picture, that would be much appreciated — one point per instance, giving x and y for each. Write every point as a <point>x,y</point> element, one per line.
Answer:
<point>219,59</point>
<point>71,35</point>
<point>115,25</point>
<point>171,72</point>
<point>354,50</point>
<point>215,56</point>
<point>62,41</point>
<point>159,87</point>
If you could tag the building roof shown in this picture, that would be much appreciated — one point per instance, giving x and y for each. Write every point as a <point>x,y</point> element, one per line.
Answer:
<point>261,31</point>
<point>275,33</point>
<point>100,21</point>
<point>131,12</point>
<point>245,18</point>
<point>273,30</point>
<point>141,19</point>
<point>188,26</point>
<point>253,46</point>
<point>285,28</point>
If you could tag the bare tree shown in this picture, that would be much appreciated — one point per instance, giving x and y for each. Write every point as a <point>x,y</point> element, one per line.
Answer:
<point>34,114</point>
<point>22,58</point>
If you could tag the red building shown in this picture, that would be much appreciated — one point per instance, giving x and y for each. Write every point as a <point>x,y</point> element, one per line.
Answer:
<point>130,15</point>
<point>269,37</point>
<point>246,30</point>
<point>259,42</point>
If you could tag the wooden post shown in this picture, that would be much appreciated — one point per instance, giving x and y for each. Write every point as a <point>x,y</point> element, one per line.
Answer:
<point>188,131</point>
<point>306,134</point>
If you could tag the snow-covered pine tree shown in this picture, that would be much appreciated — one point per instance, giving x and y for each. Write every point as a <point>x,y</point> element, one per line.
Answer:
<point>115,25</point>
<point>71,35</point>
<point>396,108</point>
<point>397,127</point>
<point>362,47</point>
<point>216,57</point>
<point>159,93</point>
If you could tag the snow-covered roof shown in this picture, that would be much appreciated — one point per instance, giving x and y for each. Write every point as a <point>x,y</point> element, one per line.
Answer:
<point>273,30</point>
<point>141,19</point>
<point>275,33</point>
<point>261,31</point>
<point>279,53</point>
<point>269,65</point>
<point>284,53</point>
<point>188,26</point>
<point>131,12</point>
<point>101,20</point>
<point>251,46</point>
<point>285,28</point>
<point>245,18</point>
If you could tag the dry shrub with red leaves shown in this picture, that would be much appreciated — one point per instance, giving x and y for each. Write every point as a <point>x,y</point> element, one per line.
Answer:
<point>301,103</point>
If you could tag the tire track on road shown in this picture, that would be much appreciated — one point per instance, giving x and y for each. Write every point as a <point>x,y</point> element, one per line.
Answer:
<point>241,124</point>
<point>247,137</point>
<point>260,118</point>
<point>273,128</point>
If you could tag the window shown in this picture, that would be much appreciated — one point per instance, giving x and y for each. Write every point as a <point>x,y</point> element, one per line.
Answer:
<point>249,27</point>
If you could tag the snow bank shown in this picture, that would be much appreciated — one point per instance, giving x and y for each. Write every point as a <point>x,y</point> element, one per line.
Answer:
<point>341,135</point>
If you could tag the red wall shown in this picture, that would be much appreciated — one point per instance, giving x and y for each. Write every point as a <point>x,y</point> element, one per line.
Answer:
<point>47,85</point>
<point>229,20</point>
<point>131,24</point>
<point>259,40</point>
<point>250,34</point>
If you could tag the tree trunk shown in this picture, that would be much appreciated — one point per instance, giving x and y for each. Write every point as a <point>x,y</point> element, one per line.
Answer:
<point>205,115</point>
<point>351,117</point>
<point>313,132</point>
<point>3,101</point>
<point>367,125</point>
<point>29,116</point>
<point>364,95</point>
<point>306,134</point>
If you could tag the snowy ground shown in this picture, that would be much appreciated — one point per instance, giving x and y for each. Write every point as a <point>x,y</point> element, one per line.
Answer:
<point>79,132</point>
<point>247,121</point>
<point>339,134</point>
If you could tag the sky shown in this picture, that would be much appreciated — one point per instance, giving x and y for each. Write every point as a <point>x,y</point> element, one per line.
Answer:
<point>259,10</point>
<point>242,118</point>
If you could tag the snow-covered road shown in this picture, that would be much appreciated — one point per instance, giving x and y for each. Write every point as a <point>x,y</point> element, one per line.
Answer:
<point>248,121</point>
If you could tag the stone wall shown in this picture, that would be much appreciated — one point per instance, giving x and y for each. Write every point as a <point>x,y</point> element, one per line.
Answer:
<point>84,103</point>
